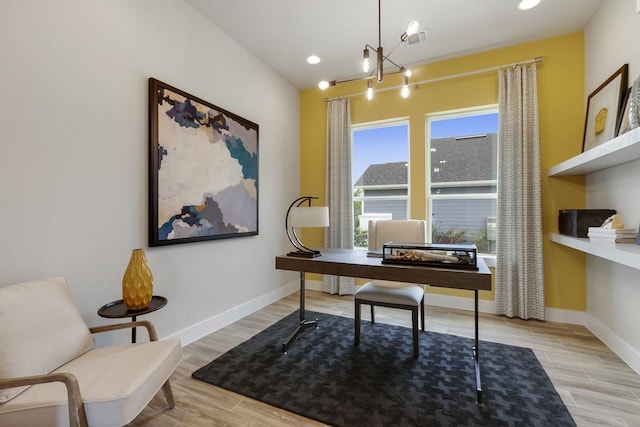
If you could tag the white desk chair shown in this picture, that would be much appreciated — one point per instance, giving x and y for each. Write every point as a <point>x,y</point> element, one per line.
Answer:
<point>393,294</point>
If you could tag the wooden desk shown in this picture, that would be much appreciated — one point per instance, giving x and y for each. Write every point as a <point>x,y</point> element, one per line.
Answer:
<point>356,263</point>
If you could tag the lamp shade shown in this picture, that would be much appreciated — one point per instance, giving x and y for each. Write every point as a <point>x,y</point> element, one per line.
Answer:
<point>309,216</point>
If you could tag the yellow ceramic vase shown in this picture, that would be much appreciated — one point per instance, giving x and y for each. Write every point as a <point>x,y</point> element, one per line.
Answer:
<point>137,282</point>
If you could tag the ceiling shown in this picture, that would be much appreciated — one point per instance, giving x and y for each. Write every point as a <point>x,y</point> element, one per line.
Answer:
<point>283,33</point>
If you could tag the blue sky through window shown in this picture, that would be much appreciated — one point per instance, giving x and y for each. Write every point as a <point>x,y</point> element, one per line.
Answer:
<point>465,126</point>
<point>391,143</point>
<point>379,145</point>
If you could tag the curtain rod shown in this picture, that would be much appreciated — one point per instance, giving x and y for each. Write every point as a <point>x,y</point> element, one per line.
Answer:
<point>450,77</point>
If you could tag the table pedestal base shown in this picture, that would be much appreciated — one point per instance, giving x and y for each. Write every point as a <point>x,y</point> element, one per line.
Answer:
<point>304,324</point>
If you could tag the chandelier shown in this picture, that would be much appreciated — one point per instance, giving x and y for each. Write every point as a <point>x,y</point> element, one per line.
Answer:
<point>378,71</point>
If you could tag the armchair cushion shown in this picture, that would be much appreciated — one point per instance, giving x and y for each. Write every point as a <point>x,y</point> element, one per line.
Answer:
<point>115,383</point>
<point>40,330</point>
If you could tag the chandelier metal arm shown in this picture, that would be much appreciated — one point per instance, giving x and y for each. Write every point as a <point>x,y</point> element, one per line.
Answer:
<point>384,58</point>
<point>379,24</point>
<point>380,58</point>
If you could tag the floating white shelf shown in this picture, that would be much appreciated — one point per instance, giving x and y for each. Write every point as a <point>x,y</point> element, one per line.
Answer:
<point>617,151</point>
<point>623,253</point>
<point>622,149</point>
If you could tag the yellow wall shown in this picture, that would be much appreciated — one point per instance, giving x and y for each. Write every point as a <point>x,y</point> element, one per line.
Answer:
<point>561,111</point>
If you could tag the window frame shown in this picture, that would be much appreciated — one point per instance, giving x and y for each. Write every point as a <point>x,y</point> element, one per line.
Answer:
<point>453,114</point>
<point>393,122</point>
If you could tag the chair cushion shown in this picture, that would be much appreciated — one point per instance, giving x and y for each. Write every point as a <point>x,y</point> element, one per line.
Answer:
<point>40,330</point>
<point>405,295</point>
<point>116,383</point>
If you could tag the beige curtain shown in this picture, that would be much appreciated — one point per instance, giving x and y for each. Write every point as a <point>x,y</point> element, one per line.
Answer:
<point>519,282</point>
<point>338,190</point>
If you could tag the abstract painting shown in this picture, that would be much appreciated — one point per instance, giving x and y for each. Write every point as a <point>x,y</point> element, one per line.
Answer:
<point>203,169</point>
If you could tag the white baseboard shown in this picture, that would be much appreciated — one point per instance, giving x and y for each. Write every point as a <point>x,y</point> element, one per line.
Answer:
<point>628,354</point>
<point>212,324</point>
<point>433,299</point>
<point>484,306</point>
<point>459,303</point>
<point>313,285</point>
<point>570,317</point>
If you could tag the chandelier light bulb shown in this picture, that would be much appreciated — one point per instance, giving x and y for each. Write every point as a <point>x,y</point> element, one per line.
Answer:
<point>369,90</point>
<point>412,29</point>
<point>365,60</point>
<point>404,92</point>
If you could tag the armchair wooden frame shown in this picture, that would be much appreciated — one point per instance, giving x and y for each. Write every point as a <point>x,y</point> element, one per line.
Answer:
<point>77,415</point>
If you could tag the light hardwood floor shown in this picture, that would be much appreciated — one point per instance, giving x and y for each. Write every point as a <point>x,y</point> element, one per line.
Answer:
<point>597,387</point>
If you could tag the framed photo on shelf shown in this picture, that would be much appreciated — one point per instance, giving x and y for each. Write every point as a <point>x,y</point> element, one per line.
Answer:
<point>603,109</point>
<point>623,121</point>
<point>203,169</point>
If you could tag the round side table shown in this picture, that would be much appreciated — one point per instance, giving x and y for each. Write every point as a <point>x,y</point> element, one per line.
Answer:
<point>117,310</point>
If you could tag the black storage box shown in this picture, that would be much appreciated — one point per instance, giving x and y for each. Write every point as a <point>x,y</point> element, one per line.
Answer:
<point>576,222</point>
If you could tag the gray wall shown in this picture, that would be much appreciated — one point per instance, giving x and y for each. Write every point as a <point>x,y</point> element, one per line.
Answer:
<point>74,140</point>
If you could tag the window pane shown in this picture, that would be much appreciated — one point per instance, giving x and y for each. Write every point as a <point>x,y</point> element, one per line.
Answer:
<point>380,164</point>
<point>463,154</point>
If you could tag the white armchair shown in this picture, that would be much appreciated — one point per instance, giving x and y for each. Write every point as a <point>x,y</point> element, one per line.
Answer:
<point>52,375</point>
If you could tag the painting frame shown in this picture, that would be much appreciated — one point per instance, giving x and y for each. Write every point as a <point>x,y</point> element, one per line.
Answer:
<point>603,109</point>
<point>623,121</point>
<point>203,169</point>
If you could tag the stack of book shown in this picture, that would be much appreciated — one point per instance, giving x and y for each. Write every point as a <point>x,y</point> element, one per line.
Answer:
<point>612,235</point>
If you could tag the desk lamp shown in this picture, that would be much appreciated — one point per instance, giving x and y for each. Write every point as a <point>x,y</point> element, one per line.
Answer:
<point>299,216</point>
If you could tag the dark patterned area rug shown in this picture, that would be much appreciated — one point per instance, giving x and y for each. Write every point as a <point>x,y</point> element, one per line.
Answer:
<point>324,377</point>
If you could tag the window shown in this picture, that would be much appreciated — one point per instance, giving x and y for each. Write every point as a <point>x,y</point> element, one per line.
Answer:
<point>463,179</point>
<point>380,174</point>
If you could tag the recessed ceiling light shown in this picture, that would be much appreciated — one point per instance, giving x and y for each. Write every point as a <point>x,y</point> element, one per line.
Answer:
<point>528,4</point>
<point>325,84</point>
<point>313,59</point>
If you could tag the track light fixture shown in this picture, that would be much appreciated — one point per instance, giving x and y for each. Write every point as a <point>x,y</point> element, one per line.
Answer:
<point>412,28</point>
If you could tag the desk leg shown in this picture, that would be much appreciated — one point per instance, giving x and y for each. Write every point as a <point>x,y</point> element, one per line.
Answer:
<point>476,352</point>
<point>133,330</point>
<point>304,324</point>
